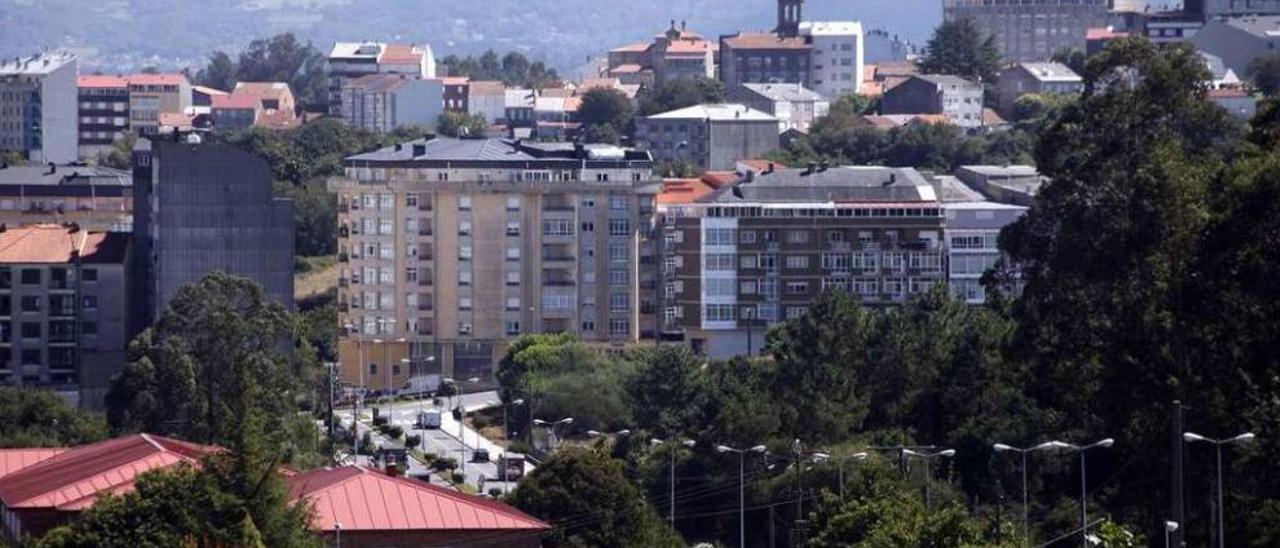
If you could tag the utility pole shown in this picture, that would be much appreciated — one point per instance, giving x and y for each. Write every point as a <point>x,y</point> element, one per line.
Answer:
<point>1177,507</point>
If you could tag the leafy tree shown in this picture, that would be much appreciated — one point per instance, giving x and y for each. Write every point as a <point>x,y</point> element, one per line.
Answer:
<point>220,73</point>
<point>603,133</point>
<point>894,520</point>
<point>38,418</point>
<point>281,58</point>
<point>1073,58</point>
<point>1265,73</point>
<point>461,124</point>
<point>959,47</point>
<point>512,69</point>
<point>515,68</point>
<point>680,93</point>
<point>601,106</point>
<point>591,502</point>
<point>665,392</point>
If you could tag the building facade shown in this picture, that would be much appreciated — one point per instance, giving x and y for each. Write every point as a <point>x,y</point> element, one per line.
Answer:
<point>104,113</point>
<point>351,60</point>
<point>153,95</point>
<point>451,248</point>
<point>837,56</point>
<point>384,102</point>
<point>95,198</point>
<point>972,241</point>
<point>38,107</point>
<point>1239,40</point>
<point>63,305</point>
<point>201,208</point>
<point>1031,30</point>
<point>674,54</point>
<point>952,96</point>
<point>759,252</point>
<point>794,106</point>
<point>708,137</point>
<point>1027,78</point>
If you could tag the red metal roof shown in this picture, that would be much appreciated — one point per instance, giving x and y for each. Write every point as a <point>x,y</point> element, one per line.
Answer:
<point>12,460</point>
<point>72,480</point>
<point>365,500</point>
<point>101,81</point>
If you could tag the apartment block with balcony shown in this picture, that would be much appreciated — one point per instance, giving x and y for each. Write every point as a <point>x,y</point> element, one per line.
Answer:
<point>351,60</point>
<point>755,253</point>
<point>451,248</point>
<point>38,106</point>
<point>104,112</point>
<point>151,95</point>
<point>62,309</point>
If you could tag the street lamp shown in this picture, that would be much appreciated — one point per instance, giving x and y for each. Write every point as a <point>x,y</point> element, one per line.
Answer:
<point>1169,528</point>
<point>1244,438</point>
<point>551,425</point>
<point>674,446</point>
<point>742,499</point>
<point>1026,521</point>
<point>502,463</point>
<point>355,413</point>
<point>926,457</point>
<point>1084,505</point>
<point>859,456</point>
<point>462,428</point>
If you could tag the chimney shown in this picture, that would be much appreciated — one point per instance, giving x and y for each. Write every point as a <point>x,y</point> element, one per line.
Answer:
<point>683,26</point>
<point>419,150</point>
<point>53,168</point>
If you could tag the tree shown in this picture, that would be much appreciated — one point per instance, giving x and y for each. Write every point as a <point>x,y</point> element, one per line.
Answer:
<point>591,502</point>
<point>515,68</point>
<point>603,133</point>
<point>461,124</point>
<point>1073,58</point>
<point>191,374</point>
<point>281,58</point>
<point>959,47</point>
<point>680,93</point>
<point>664,394</point>
<point>220,73</point>
<point>1265,73</point>
<point>604,106</point>
<point>37,418</point>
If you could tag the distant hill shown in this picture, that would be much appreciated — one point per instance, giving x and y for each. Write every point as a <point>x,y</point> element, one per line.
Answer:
<point>131,34</point>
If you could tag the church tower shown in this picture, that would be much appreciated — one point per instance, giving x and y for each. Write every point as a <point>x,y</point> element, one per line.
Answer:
<point>789,15</point>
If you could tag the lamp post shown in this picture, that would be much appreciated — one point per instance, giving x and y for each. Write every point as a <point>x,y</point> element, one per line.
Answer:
<point>861,455</point>
<point>1084,501</point>
<point>742,498</point>
<point>926,457</point>
<point>337,529</point>
<point>674,446</point>
<point>551,425</point>
<point>462,429</point>
<point>355,413</point>
<point>1026,520</point>
<point>1169,528</point>
<point>502,462</point>
<point>1241,439</point>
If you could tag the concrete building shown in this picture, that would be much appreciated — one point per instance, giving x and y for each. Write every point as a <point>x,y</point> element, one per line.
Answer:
<point>153,95</point>
<point>233,112</point>
<point>63,304</point>
<point>1209,10</point>
<point>836,56</point>
<point>674,54</point>
<point>1239,40</point>
<point>1017,185</point>
<point>708,137</point>
<point>384,102</point>
<point>104,113</point>
<point>1040,78</point>
<point>96,198</point>
<point>755,253</point>
<point>450,248</point>
<point>487,99</point>
<point>518,107</point>
<point>972,241</point>
<point>958,99</point>
<point>351,60</point>
<point>38,107</point>
<point>456,90</point>
<point>1031,30</point>
<point>757,58</point>
<point>277,108</point>
<point>794,106</point>
<point>205,207</point>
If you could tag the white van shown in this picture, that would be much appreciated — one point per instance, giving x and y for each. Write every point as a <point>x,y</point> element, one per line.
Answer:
<point>429,419</point>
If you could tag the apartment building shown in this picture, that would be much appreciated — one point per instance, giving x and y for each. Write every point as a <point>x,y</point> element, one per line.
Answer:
<point>1027,78</point>
<point>450,248</point>
<point>952,96</point>
<point>153,95</point>
<point>674,54</point>
<point>487,99</point>
<point>1238,41</point>
<point>95,198</point>
<point>752,254</point>
<point>200,208</point>
<point>456,91</point>
<point>38,107</point>
<point>351,60</point>
<point>385,102</point>
<point>1031,30</point>
<point>63,302</point>
<point>708,137</point>
<point>836,56</point>
<point>104,112</point>
<point>795,106</point>
<point>972,240</point>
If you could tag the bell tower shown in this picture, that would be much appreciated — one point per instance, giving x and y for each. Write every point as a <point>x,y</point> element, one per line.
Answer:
<point>789,16</point>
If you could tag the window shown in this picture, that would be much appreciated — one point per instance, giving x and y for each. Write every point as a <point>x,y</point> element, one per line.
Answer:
<point>31,330</point>
<point>89,275</point>
<point>464,228</point>
<point>894,261</point>
<point>796,312</point>
<point>557,302</point>
<point>895,287</point>
<point>90,302</point>
<point>747,237</point>
<point>513,203</point>
<point>798,236</point>
<point>31,357</point>
<point>464,303</point>
<point>464,253</point>
<point>618,203</point>
<point>588,227</point>
<point>464,277</point>
<point>30,276</point>
<point>588,326</point>
<point>373,369</point>
<point>797,288</point>
<point>719,287</point>
<point>513,278</point>
<point>619,276</point>
<point>866,260</point>
<point>513,327</point>
<point>464,203</point>
<point>866,286</point>
<point>717,312</point>
<point>513,253</point>
<point>411,200</point>
<point>769,263</point>
<point>588,202</point>
<point>89,328</point>
<point>31,303</point>
<point>748,261</point>
<point>931,262</point>
<point>386,202</point>
<point>513,303</point>
<point>719,236</point>
<point>748,287</point>
<point>619,326</point>
<point>513,228</point>
<point>619,302</point>
<point>619,227</point>
<point>769,236</point>
<point>619,252</point>
<point>797,262</point>
<point>557,227</point>
<point>717,262</point>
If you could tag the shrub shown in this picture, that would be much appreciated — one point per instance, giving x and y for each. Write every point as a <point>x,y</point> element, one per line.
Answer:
<point>519,446</point>
<point>412,440</point>
<point>394,432</point>
<point>379,420</point>
<point>366,443</point>
<point>480,422</point>
<point>445,463</point>
<point>458,477</point>
<point>495,492</point>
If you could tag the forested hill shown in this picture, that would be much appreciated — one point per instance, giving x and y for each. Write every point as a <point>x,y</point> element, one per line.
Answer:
<point>131,34</point>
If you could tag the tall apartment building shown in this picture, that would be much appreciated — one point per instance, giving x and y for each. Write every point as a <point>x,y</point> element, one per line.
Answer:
<point>154,95</point>
<point>708,137</point>
<point>63,304</point>
<point>200,208</point>
<point>104,112</point>
<point>1031,30</point>
<point>451,248</point>
<point>1209,10</point>
<point>351,60</point>
<point>836,56</point>
<point>385,102</point>
<point>93,197</point>
<point>38,107</point>
<point>758,252</point>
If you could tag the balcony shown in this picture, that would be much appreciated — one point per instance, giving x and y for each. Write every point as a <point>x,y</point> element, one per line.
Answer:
<point>426,307</point>
<point>559,282</point>
<point>425,281</point>
<point>425,231</point>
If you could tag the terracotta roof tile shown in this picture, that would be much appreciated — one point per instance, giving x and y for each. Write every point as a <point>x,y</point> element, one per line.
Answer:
<point>764,40</point>
<point>683,191</point>
<point>101,81</point>
<point>156,79</point>
<point>234,101</point>
<point>57,244</point>
<point>631,48</point>
<point>401,53</point>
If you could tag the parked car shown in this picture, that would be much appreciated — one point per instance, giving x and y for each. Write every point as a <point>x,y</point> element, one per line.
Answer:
<point>429,419</point>
<point>480,455</point>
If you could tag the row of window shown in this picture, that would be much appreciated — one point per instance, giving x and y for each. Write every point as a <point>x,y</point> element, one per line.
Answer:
<point>59,278</point>
<point>727,236</point>
<point>858,260</point>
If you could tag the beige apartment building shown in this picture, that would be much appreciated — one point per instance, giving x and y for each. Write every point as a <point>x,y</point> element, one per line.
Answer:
<point>151,95</point>
<point>452,248</point>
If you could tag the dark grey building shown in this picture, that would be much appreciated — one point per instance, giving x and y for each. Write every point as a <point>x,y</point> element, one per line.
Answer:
<point>708,137</point>
<point>953,96</point>
<point>1031,30</point>
<point>205,207</point>
<point>1239,40</point>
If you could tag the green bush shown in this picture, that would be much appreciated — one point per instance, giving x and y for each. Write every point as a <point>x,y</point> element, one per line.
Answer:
<point>430,457</point>
<point>495,492</point>
<point>519,446</point>
<point>394,432</point>
<point>458,477</point>
<point>412,440</point>
<point>366,443</point>
<point>444,463</point>
<point>480,422</point>
<point>379,420</point>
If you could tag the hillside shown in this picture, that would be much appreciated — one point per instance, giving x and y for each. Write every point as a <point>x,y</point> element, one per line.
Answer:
<point>130,34</point>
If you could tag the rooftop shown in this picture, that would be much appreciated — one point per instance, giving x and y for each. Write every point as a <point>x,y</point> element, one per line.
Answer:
<point>64,175</point>
<point>520,98</point>
<point>1051,72</point>
<point>236,101</point>
<point>683,191</point>
<point>380,83</point>
<point>830,28</point>
<point>445,149</point>
<point>484,87</point>
<point>208,91</point>
<point>944,79</point>
<point>785,92</point>
<point>61,244</point>
<point>715,112</point>
<point>631,48</point>
<point>12,460</point>
<point>364,500</point>
<point>1103,33</point>
<point>1264,26</point>
<point>861,184</point>
<point>173,79</point>
<point>35,65</point>
<point>764,40</point>
<point>102,81</point>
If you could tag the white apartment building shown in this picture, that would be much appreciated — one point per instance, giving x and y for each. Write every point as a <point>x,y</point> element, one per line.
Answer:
<point>836,57</point>
<point>39,107</point>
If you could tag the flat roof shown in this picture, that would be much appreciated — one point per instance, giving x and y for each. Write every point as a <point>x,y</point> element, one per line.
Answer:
<point>832,185</point>
<point>716,112</point>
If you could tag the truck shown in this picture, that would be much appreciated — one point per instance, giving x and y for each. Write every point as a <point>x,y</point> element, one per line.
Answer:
<point>420,385</point>
<point>429,419</point>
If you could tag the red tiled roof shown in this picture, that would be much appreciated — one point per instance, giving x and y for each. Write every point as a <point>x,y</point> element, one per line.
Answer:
<point>364,500</point>
<point>890,69</point>
<point>58,244</point>
<point>236,101</point>
<point>12,460</point>
<point>176,119</point>
<point>277,119</point>
<point>101,81</point>
<point>74,479</point>
<point>1228,93</point>
<point>764,40</point>
<point>156,79</point>
<point>683,191</point>
<point>1103,33</point>
<point>454,80</point>
<point>720,179</point>
<point>760,164</point>
<point>992,118</point>
<point>400,53</point>
<point>483,87</point>
<point>263,90</point>
<point>689,46</point>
